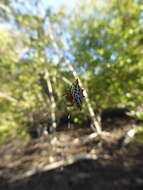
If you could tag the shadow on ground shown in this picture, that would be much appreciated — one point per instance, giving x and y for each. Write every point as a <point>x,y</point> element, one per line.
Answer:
<point>121,172</point>
<point>118,166</point>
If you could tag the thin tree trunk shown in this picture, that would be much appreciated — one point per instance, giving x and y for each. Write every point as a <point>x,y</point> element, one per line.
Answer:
<point>49,91</point>
<point>96,122</point>
<point>52,100</point>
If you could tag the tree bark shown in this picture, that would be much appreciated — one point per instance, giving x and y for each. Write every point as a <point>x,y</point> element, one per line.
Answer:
<point>49,90</point>
<point>52,100</point>
<point>96,122</point>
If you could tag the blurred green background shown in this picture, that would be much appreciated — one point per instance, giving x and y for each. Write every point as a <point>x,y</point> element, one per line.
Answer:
<point>105,46</point>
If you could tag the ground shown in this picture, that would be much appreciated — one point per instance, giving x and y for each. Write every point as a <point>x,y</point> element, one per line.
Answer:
<point>74,159</point>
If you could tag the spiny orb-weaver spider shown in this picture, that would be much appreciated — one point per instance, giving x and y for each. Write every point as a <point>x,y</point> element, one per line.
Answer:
<point>74,95</point>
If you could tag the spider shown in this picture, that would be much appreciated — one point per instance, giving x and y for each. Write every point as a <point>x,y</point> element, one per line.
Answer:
<point>74,95</point>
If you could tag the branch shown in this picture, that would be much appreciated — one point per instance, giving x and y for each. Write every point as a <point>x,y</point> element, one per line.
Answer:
<point>96,123</point>
<point>59,164</point>
<point>52,99</point>
<point>5,96</point>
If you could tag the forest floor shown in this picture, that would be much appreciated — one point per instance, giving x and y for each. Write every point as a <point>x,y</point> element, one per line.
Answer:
<point>74,159</point>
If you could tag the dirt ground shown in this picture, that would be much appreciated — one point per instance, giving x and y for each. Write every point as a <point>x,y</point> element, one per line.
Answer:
<point>74,159</point>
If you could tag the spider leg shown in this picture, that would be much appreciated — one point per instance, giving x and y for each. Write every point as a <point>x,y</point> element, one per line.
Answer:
<point>69,105</point>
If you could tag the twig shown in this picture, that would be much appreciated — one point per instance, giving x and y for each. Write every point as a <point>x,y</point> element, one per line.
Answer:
<point>3,95</point>
<point>58,164</point>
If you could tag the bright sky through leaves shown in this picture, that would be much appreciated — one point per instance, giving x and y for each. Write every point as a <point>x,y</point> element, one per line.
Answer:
<point>56,3</point>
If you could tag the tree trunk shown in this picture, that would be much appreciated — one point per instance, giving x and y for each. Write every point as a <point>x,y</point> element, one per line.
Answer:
<point>52,100</point>
<point>49,90</point>
<point>96,122</point>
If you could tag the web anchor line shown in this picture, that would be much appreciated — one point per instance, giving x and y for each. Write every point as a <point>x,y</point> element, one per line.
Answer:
<point>69,117</point>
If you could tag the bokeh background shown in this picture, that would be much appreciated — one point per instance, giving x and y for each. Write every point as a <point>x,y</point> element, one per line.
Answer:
<point>42,45</point>
<point>102,40</point>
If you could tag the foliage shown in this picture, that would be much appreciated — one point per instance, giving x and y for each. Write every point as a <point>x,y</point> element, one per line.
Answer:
<point>104,41</point>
